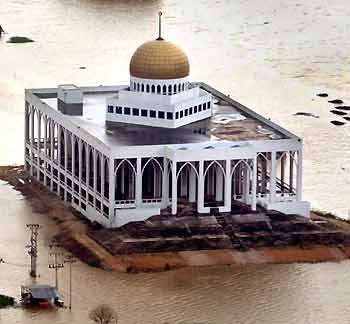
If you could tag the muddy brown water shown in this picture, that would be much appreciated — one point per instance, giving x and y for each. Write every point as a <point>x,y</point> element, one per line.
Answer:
<point>274,58</point>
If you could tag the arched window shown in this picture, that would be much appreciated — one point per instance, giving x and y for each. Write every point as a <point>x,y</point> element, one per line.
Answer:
<point>183,87</point>
<point>153,89</point>
<point>138,87</point>
<point>142,87</point>
<point>169,89</point>
<point>179,87</point>
<point>164,89</point>
<point>147,88</point>
<point>158,89</point>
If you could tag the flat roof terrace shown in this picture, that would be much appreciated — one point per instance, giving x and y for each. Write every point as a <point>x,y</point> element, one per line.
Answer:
<point>231,121</point>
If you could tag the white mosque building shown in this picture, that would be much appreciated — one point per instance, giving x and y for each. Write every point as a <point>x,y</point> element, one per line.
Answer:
<point>124,153</point>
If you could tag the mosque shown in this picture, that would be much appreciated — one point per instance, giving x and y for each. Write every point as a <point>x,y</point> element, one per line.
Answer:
<point>119,154</point>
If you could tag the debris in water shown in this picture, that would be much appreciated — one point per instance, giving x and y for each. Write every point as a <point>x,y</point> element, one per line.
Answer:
<point>19,40</point>
<point>338,112</point>
<point>343,107</point>
<point>301,113</point>
<point>323,94</point>
<point>337,123</point>
<point>347,118</point>
<point>336,101</point>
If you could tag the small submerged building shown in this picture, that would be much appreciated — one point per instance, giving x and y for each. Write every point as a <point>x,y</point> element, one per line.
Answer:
<point>123,153</point>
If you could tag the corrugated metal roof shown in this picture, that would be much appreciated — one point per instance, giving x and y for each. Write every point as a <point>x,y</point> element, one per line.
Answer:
<point>43,292</point>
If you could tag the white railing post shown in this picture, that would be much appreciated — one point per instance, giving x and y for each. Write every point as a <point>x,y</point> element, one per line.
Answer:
<point>273,177</point>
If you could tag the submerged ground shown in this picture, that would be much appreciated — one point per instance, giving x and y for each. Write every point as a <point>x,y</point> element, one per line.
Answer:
<point>166,242</point>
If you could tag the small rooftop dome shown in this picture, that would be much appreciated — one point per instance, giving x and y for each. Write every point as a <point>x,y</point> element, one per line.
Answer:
<point>159,59</point>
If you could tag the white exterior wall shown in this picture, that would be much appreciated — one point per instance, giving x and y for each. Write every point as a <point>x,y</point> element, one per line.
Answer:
<point>155,82</point>
<point>40,161</point>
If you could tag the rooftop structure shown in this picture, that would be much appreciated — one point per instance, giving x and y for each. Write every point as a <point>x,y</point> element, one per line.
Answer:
<point>122,153</point>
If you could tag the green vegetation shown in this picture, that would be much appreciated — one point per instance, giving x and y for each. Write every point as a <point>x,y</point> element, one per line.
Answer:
<point>19,40</point>
<point>6,301</point>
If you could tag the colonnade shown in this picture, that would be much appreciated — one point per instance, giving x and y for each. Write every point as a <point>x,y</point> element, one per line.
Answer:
<point>65,163</point>
<point>83,175</point>
<point>164,89</point>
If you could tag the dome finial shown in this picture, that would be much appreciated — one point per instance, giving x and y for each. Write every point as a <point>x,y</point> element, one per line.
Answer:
<point>160,25</point>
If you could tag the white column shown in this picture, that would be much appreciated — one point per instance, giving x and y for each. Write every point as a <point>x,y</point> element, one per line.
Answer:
<point>253,203</point>
<point>39,144</point>
<point>273,178</point>
<point>26,134</point>
<point>174,189</point>
<point>95,175</point>
<point>88,166</point>
<point>219,194</point>
<point>165,184</point>
<point>73,156</point>
<point>52,139</point>
<point>291,171</point>
<point>138,193</point>
<point>247,183</point>
<point>192,184</point>
<point>31,140</point>
<point>299,184</point>
<point>102,181</point>
<point>65,163</point>
<point>45,151</point>
<point>32,115</point>
<point>228,186</point>
<point>111,190</point>
<point>79,167</point>
<point>59,147</point>
<point>200,200</point>
<point>283,165</point>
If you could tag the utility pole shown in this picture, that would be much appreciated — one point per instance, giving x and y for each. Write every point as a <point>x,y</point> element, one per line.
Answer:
<point>70,259</point>
<point>33,248</point>
<point>55,264</point>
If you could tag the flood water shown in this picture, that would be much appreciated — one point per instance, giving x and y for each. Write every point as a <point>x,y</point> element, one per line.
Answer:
<point>273,57</point>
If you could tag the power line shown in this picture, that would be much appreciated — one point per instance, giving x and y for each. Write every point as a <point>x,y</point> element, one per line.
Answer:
<point>33,248</point>
<point>70,260</point>
<point>55,264</point>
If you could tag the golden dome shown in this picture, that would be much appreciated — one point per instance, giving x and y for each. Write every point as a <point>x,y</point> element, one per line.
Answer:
<point>159,59</point>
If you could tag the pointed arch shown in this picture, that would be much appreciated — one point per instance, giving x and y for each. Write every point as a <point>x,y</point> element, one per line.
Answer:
<point>91,167</point>
<point>125,181</point>
<point>214,182</point>
<point>63,147</point>
<point>158,89</point>
<point>244,162</point>
<point>152,179</point>
<point>83,162</point>
<point>241,181</point>
<point>190,164</point>
<point>213,163</point>
<point>76,157</point>
<point>106,178</point>
<point>125,161</point>
<point>164,89</point>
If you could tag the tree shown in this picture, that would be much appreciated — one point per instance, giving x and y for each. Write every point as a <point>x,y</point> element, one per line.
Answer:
<point>104,314</point>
